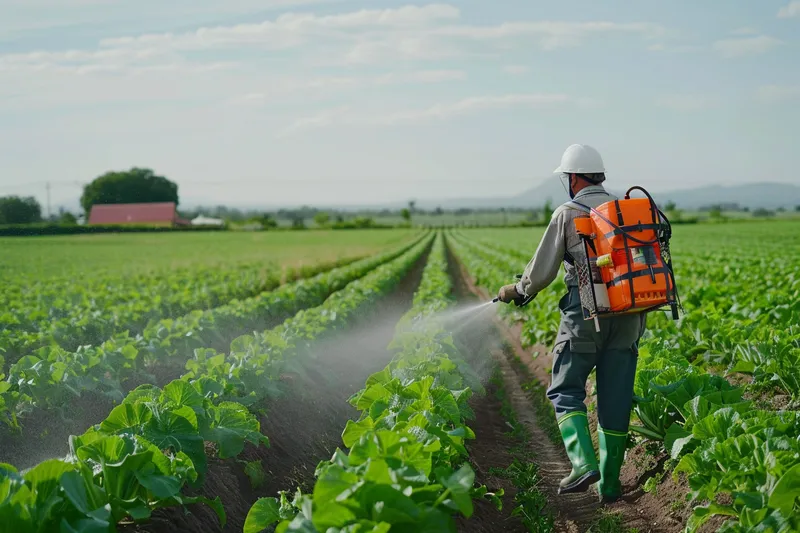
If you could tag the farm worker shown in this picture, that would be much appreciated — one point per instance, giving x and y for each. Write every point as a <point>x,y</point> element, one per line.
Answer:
<point>579,347</point>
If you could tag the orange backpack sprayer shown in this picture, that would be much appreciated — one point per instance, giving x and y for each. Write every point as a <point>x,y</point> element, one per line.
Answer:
<point>628,267</point>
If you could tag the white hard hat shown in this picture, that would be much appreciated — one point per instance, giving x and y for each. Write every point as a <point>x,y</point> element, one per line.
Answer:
<point>581,159</point>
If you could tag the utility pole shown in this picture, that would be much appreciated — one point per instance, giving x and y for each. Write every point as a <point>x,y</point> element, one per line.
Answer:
<point>48,200</point>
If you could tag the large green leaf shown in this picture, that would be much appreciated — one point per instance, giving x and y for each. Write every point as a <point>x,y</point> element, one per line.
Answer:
<point>460,484</point>
<point>127,417</point>
<point>263,513</point>
<point>787,491</point>
<point>230,426</point>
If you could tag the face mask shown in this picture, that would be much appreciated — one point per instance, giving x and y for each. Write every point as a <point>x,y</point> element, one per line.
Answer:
<point>565,182</point>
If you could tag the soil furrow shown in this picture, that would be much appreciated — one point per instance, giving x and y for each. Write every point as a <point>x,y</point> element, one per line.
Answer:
<point>304,426</point>
<point>492,449</point>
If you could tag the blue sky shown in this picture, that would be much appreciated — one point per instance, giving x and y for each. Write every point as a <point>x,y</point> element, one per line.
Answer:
<point>288,101</point>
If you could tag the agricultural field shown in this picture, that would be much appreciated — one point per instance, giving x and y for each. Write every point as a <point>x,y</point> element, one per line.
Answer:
<point>78,290</point>
<point>351,381</point>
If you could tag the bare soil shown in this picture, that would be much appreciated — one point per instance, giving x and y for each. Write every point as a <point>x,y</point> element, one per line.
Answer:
<point>45,434</point>
<point>490,450</point>
<point>304,426</point>
<point>493,446</point>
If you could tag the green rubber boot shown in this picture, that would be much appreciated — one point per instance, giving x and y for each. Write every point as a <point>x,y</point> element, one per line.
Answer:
<point>578,442</point>
<point>612,453</point>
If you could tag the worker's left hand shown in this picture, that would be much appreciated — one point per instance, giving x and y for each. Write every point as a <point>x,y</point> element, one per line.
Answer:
<point>508,294</point>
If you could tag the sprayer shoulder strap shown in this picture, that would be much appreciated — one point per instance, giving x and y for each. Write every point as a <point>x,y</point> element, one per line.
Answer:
<point>579,206</point>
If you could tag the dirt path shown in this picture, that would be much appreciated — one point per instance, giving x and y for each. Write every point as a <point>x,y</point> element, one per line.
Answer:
<point>573,513</point>
<point>304,426</point>
<point>493,447</point>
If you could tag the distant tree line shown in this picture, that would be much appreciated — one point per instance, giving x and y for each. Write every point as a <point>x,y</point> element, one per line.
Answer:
<point>143,185</point>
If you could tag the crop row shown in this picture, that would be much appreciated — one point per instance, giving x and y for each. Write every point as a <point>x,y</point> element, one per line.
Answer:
<point>52,376</point>
<point>406,466</point>
<point>154,444</point>
<point>722,442</point>
<point>69,314</point>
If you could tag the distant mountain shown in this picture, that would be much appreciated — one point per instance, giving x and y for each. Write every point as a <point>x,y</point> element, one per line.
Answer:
<point>531,198</point>
<point>752,195</point>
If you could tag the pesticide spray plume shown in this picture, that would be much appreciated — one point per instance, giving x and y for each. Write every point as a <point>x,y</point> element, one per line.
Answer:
<point>456,320</point>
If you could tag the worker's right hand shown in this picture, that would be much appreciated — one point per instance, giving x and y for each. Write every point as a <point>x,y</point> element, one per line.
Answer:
<point>508,294</point>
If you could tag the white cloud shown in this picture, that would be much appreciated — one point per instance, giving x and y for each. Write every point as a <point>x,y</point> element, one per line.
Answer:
<point>293,29</point>
<point>249,99</point>
<point>747,30</point>
<point>388,48</point>
<point>458,40</point>
<point>552,34</point>
<point>685,102</point>
<point>473,105</point>
<point>421,76</point>
<point>675,49</point>
<point>286,86</point>
<point>748,46</point>
<point>792,9</point>
<point>444,111</point>
<point>778,93</point>
<point>367,36</point>
<point>319,120</point>
<point>516,70</point>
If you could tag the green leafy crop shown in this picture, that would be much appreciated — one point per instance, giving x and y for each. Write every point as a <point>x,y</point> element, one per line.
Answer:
<point>405,468</point>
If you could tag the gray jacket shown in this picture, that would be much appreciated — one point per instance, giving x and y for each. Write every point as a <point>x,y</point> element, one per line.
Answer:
<point>559,238</point>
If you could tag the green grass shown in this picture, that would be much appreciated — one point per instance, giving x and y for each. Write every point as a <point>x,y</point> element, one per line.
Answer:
<point>531,505</point>
<point>136,253</point>
<point>609,522</point>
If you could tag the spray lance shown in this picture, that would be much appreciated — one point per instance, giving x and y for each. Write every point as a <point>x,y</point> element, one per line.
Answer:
<point>522,303</point>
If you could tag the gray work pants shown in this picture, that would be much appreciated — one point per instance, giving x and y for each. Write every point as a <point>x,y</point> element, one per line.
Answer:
<point>579,348</point>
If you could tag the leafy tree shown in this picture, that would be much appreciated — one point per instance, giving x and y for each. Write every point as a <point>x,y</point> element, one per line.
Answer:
<point>411,205</point>
<point>137,185</point>
<point>16,210</point>
<point>670,206</point>
<point>406,214</point>
<point>67,218</point>
<point>762,213</point>
<point>363,222</point>
<point>797,208</point>
<point>547,211</point>
<point>298,223</point>
<point>321,219</point>
<point>268,221</point>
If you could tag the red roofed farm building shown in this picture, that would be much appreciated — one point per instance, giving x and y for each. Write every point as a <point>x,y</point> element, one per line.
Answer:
<point>149,214</point>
